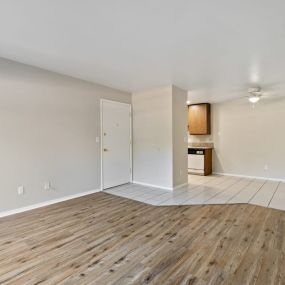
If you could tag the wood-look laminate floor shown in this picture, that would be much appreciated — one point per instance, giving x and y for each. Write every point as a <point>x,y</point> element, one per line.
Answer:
<point>104,239</point>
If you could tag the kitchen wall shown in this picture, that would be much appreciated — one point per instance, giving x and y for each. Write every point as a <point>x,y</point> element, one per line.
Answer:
<point>248,141</point>
<point>48,129</point>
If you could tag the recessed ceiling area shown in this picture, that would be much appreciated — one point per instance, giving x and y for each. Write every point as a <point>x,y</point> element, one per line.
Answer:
<point>215,49</point>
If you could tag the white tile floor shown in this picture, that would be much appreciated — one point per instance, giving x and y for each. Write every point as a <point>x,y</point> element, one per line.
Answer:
<point>212,189</point>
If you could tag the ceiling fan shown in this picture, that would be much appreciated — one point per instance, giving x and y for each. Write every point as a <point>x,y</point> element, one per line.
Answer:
<point>254,94</point>
<point>272,92</point>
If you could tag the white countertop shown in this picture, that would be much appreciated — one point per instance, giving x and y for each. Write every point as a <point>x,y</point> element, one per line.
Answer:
<point>200,147</point>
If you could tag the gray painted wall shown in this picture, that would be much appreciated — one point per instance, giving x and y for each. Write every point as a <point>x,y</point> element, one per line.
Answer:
<point>48,129</point>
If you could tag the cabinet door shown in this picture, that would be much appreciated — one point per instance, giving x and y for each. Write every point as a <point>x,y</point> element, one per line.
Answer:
<point>199,119</point>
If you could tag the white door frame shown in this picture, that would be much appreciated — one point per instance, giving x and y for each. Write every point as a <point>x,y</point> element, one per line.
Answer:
<point>101,139</point>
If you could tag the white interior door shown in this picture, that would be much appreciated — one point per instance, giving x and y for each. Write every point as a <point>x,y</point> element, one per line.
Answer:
<point>116,143</point>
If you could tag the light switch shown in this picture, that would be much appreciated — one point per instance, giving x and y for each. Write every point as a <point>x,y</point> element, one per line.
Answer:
<point>21,190</point>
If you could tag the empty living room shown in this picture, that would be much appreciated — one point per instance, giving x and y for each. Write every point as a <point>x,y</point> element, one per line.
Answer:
<point>142,142</point>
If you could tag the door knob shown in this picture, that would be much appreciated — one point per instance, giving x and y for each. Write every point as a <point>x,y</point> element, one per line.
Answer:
<point>105,149</point>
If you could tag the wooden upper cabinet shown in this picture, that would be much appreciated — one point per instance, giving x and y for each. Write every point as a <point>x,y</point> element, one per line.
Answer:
<point>199,119</point>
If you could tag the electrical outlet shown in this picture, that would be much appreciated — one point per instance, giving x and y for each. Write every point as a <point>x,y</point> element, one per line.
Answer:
<point>47,186</point>
<point>21,190</point>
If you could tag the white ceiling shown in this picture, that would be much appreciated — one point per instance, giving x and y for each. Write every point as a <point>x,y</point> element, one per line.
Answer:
<point>212,47</point>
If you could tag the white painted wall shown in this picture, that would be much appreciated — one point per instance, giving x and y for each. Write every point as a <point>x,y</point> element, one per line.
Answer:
<point>179,135</point>
<point>48,129</point>
<point>247,139</point>
<point>159,132</point>
<point>152,137</point>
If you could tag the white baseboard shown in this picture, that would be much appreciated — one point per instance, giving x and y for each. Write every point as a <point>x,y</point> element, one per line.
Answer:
<point>180,186</point>
<point>153,185</point>
<point>250,177</point>
<point>46,203</point>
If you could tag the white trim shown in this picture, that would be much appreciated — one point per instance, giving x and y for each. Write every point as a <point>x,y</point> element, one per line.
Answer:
<point>101,145</point>
<point>153,185</point>
<point>101,139</point>
<point>131,143</point>
<point>180,186</point>
<point>251,177</point>
<point>46,203</point>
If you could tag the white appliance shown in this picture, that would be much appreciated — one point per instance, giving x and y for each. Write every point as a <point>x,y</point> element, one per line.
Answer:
<point>196,161</point>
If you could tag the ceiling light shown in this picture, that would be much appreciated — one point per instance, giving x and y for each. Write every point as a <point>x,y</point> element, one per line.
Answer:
<point>254,94</point>
<point>188,102</point>
<point>254,98</point>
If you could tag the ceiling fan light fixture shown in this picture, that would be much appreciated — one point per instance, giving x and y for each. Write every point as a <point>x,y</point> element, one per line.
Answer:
<point>254,94</point>
<point>254,99</point>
